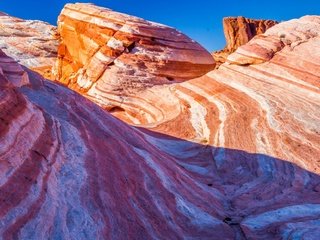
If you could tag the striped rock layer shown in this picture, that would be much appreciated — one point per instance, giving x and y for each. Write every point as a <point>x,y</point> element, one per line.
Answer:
<point>32,43</point>
<point>103,53</point>
<point>266,102</point>
<point>69,170</point>
<point>230,155</point>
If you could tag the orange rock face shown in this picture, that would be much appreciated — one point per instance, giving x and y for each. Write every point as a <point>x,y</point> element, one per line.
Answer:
<point>31,43</point>
<point>104,53</point>
<point>238,31</point>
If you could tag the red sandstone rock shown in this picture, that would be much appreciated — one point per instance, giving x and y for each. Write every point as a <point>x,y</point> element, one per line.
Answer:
<point>104,53</point>
<point>71,170</point>
<point>271,109</point>
<point>244,163</point>
<point>288,36</point>
<point>31,43</point>
<point>12,72</point>
<point>269,103</point>
<point>238,31</point>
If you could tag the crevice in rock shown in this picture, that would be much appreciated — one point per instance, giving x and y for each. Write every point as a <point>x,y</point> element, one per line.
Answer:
<point>116,109</point>
<point>40,154</point>
<point>170,78</point>
<point>235,225</point>
<point>131,46</point>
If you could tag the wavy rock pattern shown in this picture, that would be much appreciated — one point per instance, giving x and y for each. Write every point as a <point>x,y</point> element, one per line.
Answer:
<point>270,109</point>
<point>105,53</point>
<point>11,72</point>
<point>289,34</point>
<point>69,170</point>
<point>32,43</point>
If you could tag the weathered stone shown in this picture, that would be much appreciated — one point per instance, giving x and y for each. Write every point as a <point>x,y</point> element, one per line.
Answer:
<point>233,154</point>
<point>104,52</point>
<point>238,31</point>
<point>31,43</point>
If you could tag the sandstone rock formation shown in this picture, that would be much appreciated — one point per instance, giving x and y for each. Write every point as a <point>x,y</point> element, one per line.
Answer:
<point>32,43</point>
<point>238,31</point>
<point>233,154</point>
<point>288,36</point>
<point>271,109</point>
<point>70,170</point>
<point>11,72</point>
<point>106,54</point>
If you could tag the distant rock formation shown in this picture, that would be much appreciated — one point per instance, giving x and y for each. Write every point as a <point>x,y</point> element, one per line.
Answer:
<point>292,36</point>
<point>32,43</point>
<point>103,52</point>
<point>238,31</point>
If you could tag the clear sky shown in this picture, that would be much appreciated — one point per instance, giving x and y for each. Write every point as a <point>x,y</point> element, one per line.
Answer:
<point>199,19</point>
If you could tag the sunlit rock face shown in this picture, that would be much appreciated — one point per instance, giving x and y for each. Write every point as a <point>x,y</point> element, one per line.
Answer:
<point>233,154</point>
<point>34,44</point>
<point>295,37</point>
<point>264,104</point>
<point>71,170</point>
<point>204,105</point>
<point>107,55</point>
<point>238,31</point>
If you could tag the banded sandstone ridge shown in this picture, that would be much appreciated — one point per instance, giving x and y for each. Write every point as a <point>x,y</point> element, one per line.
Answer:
<point>230,155</point>
<point>105,54</point>
<point>70,170</point>
<point>238,31</point>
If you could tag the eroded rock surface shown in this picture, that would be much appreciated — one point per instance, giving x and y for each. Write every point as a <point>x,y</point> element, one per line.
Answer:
<point>71,170</point>
<point>32,43</point>
<point>238,31</point>
<point>288,36</point>
<point>104,53</point>
<point>270,109</point>
<point>230,155</point>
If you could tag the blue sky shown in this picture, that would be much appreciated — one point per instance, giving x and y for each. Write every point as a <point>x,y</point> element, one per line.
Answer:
<point>200,19</point>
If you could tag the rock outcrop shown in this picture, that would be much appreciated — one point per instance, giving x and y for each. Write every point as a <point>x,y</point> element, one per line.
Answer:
<point>71,170</point>
<point>270,109</point>
<point>233,154</point>
<point>11,72</point>
<point>288,36</point>
<point>104,53</point>
<point>238,31</point>
<point>34,44</point>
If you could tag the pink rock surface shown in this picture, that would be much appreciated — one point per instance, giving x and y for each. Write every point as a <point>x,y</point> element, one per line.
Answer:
<point>71,170</point>
<point>230,155</point>
<point>12,72</point>
<point>287,35</point>
<point>271,110</point>
<point>105,53</point>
